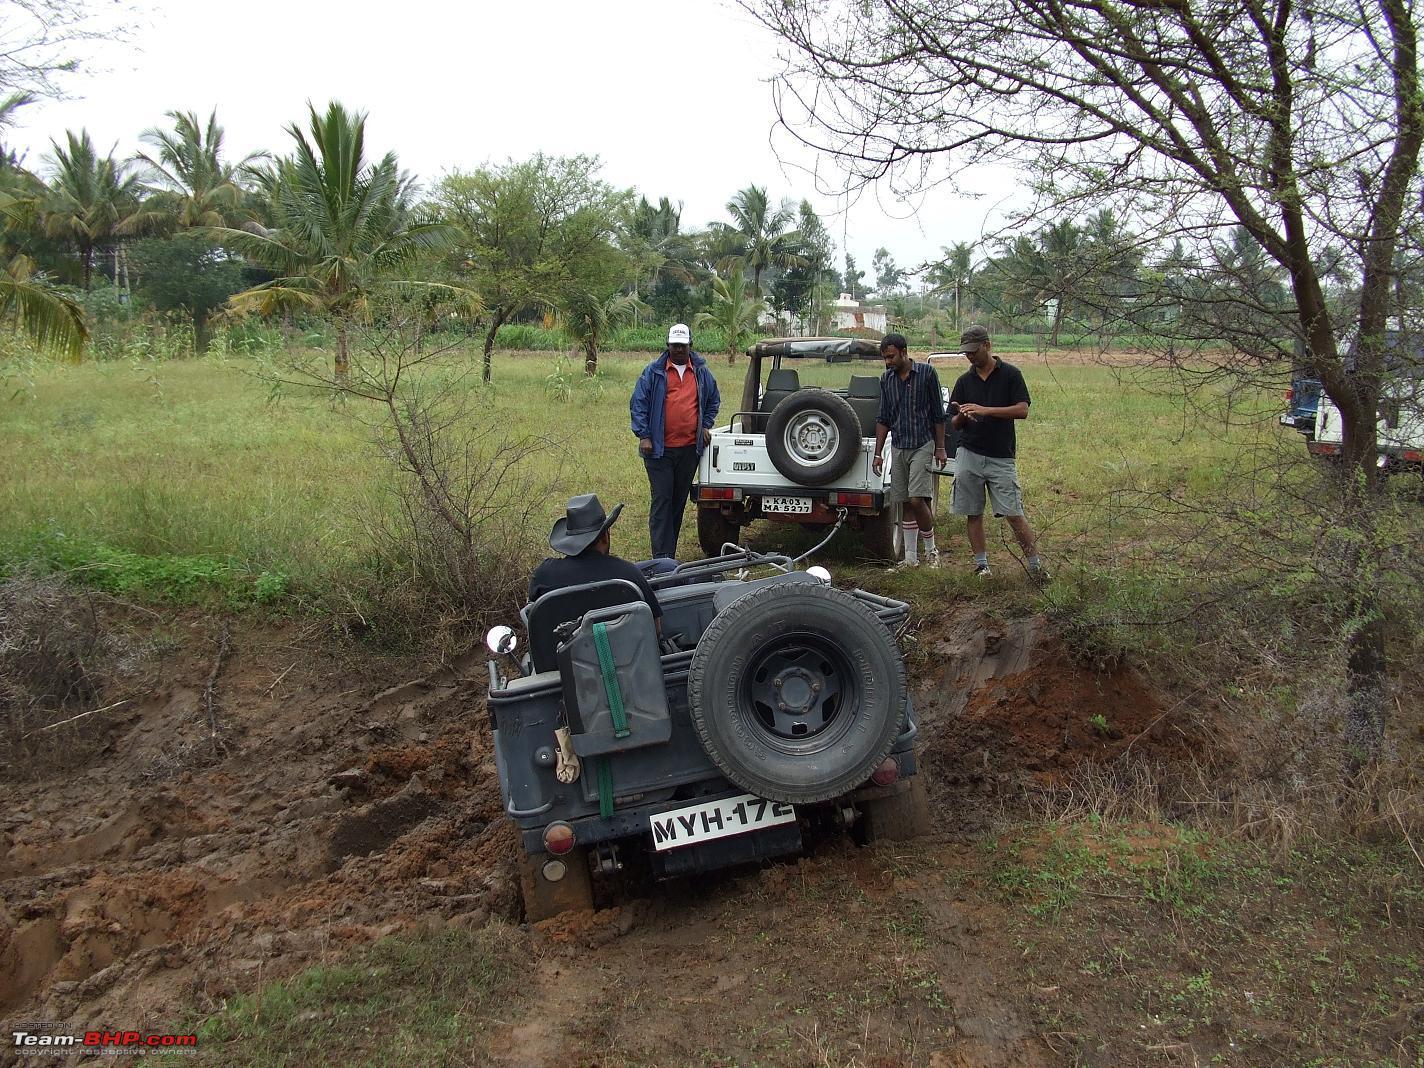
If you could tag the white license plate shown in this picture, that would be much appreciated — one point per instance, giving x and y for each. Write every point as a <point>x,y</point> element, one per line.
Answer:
<point>787,505</point>
<point>718,819</point>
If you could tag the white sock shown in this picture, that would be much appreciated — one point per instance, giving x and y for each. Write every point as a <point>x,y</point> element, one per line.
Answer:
<point>911,531</point>
<point>929,542</point>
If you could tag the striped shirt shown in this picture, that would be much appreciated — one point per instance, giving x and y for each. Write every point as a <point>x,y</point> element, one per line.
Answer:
<point>912,408</point>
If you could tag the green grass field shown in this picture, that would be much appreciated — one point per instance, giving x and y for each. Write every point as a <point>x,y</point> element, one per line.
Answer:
<point>192,480</point>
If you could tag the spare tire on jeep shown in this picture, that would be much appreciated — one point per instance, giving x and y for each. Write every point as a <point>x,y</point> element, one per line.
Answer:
<point>797,692</point>
<point>813,436</point>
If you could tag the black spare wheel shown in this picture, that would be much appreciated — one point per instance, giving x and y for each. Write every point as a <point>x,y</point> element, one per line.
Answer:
<point>796,691</point>
<point>813,436</point>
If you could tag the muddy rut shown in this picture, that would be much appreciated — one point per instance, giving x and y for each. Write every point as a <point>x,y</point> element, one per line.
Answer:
<point>178,865</point>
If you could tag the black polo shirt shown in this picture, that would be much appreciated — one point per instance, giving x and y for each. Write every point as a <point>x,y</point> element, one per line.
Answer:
<point>589,566</point>
<point>1004,387</point>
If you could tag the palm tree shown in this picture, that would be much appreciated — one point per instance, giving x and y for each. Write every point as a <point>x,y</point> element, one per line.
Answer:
<point>760,237</point>
<point>589,318</point>
<point>653,239</point>
<point>196,187</point>
<point>340,224</point>
<point>954,273</point>
<point>89,196</point>
<point>52,320</point>
<point>733,312</point>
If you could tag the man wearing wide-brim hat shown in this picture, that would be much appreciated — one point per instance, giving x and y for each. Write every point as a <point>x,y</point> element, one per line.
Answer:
<point>582,535</point>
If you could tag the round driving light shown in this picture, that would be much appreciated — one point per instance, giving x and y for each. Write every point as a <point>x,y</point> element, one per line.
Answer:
<point>820,574</point>
<point>558,838</point>
<point>554,870</point>
<point>887,773</point>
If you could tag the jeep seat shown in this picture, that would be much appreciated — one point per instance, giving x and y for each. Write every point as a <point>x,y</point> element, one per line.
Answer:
<point>780,384</point>
<point>562,606</point>
<point>864,397</point>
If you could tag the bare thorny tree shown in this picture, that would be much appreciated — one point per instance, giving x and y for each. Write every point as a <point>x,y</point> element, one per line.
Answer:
<point>465,492</point>
<point>1298,122</point>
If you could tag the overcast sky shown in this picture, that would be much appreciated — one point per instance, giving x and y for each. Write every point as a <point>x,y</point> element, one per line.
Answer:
<point>673,96</point>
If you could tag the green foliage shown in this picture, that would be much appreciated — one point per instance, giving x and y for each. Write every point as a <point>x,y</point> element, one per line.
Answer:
<point>88,198</point>
<point>734,313</point>
<point>530,338</point>
<point>186,274</point>
<point>568,382</point>
<point>196,186</point>
<point>340,225</point>
<point>181,579</point>
<point>760,236</point>
<point>532,233</point>
<point>51,319</point>
<point>1105,617</point>
<point>654,339</point>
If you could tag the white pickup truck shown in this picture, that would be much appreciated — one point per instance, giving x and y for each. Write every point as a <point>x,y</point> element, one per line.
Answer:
<point>797,453</point>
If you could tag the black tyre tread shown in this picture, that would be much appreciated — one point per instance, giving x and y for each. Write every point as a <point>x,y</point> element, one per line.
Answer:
<point>543,899</point>
<point>878,535</point>
<point>899,817</point>
<point>841,413</point>
<point>701,683</point>
<point>713,528</point>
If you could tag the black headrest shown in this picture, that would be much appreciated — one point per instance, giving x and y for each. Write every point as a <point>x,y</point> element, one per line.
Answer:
<point>863,386</point>
<point>783,380</point>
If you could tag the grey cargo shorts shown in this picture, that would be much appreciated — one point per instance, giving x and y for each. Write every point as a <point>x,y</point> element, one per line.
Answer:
<point>910,474</point>
<point>973,474</point>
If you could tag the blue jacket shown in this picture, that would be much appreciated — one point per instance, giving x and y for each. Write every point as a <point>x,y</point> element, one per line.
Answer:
<point>650,398</point>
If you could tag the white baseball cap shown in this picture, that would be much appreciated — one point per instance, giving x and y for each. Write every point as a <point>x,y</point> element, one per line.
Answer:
<point>681,333</point>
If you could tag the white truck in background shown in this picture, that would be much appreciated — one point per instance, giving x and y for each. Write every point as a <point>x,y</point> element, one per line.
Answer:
<point>1400,428</point>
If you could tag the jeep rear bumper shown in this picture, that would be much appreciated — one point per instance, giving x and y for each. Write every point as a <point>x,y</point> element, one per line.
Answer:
<point>743,505</point>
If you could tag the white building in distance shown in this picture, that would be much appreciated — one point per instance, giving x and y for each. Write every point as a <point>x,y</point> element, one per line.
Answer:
<point>849,315</point>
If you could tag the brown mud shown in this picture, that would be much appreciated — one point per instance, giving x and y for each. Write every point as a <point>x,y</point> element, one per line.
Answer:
<point>178,866</point>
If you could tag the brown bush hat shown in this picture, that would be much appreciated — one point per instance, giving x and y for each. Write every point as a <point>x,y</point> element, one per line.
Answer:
<point>972,338</point>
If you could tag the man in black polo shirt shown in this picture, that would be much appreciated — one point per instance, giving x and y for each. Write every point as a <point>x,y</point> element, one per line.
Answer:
<point>985,401</point>
<point>582,536</point>
<point>912,407</point>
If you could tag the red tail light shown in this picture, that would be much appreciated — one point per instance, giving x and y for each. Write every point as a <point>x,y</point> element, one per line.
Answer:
<point>716,493</point>
<point>558,838</point>
<point>887,773</point>
<point>853,500</point>
<point>1290,395</point>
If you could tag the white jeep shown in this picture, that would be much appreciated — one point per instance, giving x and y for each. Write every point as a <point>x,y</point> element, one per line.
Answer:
<point>797,453</point>
<point>1400,429</point>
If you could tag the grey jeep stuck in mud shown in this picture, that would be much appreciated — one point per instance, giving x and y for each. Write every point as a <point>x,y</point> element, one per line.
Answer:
<point>774,709</point>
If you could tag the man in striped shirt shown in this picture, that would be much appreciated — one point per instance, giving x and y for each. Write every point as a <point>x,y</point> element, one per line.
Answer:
<point>912,408</point>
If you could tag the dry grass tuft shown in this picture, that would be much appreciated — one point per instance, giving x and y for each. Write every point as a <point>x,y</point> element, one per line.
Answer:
<point>57,662</point>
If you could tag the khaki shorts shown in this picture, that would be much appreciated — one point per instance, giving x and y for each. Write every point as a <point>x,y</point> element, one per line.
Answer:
<point>910,474</point>
<point>973,474</point>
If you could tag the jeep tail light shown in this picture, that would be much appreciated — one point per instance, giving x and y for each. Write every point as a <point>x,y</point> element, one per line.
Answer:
<point>716,493</point>
<point>558,838</point>
<point>887,773</point>
<point>1290,395</point>
<point>853,500</point>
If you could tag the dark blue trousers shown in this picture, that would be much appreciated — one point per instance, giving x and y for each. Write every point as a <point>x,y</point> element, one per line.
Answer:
<point>670,480</point>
